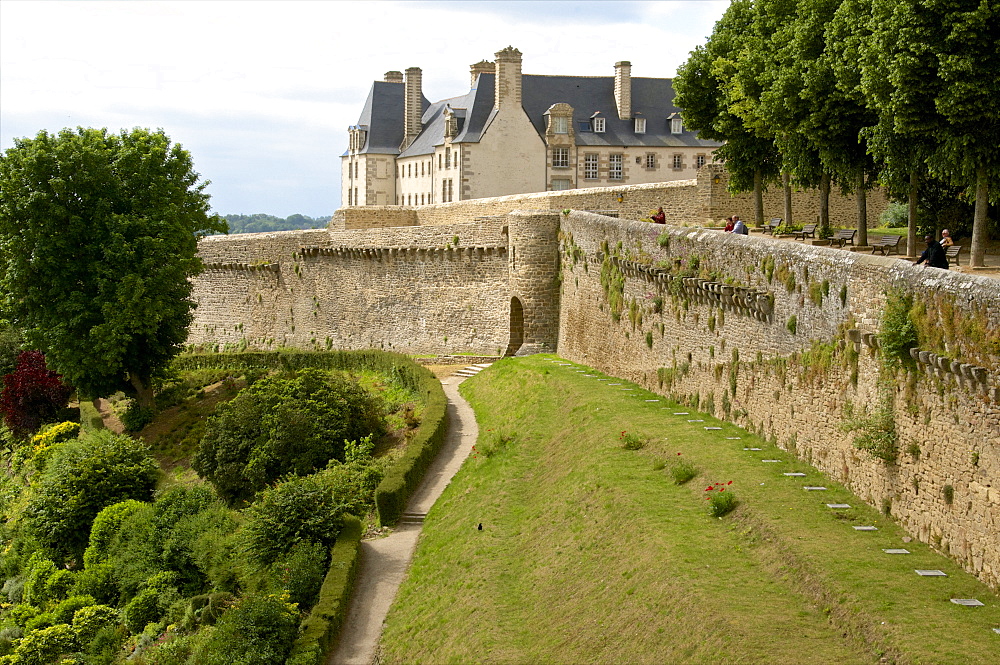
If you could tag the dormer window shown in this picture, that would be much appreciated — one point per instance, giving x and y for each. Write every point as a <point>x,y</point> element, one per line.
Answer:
<point>640,125</point>
<point>599,125</point>
<point>676,124</point>
<point>560,125</point>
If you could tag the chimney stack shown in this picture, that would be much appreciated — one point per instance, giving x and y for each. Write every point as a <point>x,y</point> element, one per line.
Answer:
<point>623,89</point>
<point>394,77</point>
<point>508,78</point>
<point>481,67</point>
<point>413,106</point>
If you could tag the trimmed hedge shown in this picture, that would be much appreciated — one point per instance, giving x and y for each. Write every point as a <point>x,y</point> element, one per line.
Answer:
<point>319,631</point>
<point>406,473</point>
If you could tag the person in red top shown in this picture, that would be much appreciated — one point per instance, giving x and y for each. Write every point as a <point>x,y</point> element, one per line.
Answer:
<point>660,217</point>
<point>729,224</point>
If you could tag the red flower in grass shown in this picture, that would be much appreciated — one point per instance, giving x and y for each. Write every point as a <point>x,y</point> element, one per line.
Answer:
<point>730,482</point>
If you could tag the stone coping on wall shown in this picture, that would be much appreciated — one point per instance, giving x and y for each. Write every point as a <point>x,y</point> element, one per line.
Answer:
<point>390,252</point>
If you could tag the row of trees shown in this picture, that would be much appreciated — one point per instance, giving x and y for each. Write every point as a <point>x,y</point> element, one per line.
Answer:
<point>260,223</point>
<point>903,93</point>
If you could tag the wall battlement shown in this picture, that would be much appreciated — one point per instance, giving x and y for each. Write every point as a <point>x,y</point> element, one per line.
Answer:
<point>780,337</point>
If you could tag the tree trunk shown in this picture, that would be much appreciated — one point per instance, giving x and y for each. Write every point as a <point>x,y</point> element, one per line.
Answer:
<point>977,252</point>
<point>787,185</point>
<point>862,211</point>
<point>911,218</point>
<point>824,205</point>
<point>758,197</point>
<point>143,391</point>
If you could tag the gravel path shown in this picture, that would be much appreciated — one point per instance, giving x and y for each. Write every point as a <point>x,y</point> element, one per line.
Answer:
<point>384,561</point>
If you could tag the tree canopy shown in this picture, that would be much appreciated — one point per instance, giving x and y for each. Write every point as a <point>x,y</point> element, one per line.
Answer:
<point>99,235</point>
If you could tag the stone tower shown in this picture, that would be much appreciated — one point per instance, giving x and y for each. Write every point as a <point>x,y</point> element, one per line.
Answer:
<point>533,256</point>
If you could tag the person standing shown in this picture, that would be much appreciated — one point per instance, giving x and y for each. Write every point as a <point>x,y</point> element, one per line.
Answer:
<point>660,217</point>
<point>934,254</point>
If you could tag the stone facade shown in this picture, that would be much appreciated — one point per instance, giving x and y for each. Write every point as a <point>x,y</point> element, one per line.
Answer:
<point>776,336</point>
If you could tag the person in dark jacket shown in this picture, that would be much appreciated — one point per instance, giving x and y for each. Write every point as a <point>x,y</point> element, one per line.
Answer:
<point>660,217</point>
<point>933,255</point>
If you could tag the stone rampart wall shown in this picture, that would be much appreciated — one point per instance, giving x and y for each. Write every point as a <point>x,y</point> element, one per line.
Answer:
<point>413,292</point>
<point>733,352</point>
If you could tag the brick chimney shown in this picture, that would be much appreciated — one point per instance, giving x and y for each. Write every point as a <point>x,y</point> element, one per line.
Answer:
<point>394,77</point>
<point>508,79</point>
<point>481,67</point>
<point>413,106</point>
<point>623,89</point>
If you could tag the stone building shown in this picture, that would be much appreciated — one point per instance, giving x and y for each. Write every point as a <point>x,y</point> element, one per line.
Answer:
<point>515,133</point>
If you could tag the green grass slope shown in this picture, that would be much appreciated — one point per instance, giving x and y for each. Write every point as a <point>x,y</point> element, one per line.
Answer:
<point>590,554</point>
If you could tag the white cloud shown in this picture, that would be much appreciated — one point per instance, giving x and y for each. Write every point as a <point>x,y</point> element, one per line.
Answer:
<point>261,93</point>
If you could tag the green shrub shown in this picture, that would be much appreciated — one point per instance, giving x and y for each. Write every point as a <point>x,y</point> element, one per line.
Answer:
<point>682,471</point>
<point>64,611</point>
<point>205,610</point>
<point>281,426</point>
<point>45,646</point>
<point>39,570</point>
<point>97,580</point>
<point>59,584</point>
<point>135,416</point>
<point>323,624</point>
<point>630,441</point>
<point>495,443</point>
<point>87,621</point>
<point>298,510</point>
<point>258,630</point>
<point>302,571</point>
<point>720,502</point>
<point>82,478</point>
<point>897,333</point>
<point>895,216</point>
<point>142,609</point>
<point>792,324</point>
<point>877,430</point>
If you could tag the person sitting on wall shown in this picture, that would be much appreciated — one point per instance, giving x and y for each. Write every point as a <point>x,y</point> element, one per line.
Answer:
<point>660,217</point>
<point>729,224</point>
<point>946,240</point>
<point>933,255</point>
<point>739,227</point>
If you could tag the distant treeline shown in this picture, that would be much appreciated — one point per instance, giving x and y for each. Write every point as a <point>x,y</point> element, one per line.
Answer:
<point>260,223</point>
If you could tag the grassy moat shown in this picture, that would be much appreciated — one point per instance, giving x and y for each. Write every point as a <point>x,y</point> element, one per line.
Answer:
<point>590,553</point>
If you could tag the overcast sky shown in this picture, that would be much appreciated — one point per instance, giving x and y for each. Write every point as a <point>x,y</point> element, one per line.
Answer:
<point>261,93</point>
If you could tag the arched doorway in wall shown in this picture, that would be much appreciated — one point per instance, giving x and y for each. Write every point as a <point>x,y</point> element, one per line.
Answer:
<point>516,327</point>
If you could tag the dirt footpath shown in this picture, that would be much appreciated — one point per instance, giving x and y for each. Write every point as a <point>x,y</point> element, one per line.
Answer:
<point>384,561</point>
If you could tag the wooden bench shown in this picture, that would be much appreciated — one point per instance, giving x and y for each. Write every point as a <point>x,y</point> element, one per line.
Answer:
<point>843,237</point>
<point>886,245</point>
<point>771,226</point>
<point>951,253</point>
<point>807,230</point>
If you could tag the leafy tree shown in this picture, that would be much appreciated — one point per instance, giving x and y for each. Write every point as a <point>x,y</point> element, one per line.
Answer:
<point>99,235</point>
<point>260,223</point>
<point>83,477</point>
<point>283,426</point>
<point>938,61</point>
<point>45,646</point>
<point>702,86</point>
<point>11,340</point>
<point>258,630</point>
<point>32,395</point>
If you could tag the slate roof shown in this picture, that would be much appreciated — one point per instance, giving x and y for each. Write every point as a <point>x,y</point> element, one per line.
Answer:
<point>652,99</point>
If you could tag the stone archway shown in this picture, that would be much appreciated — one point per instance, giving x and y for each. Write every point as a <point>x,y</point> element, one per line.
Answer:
<point>516,327</point>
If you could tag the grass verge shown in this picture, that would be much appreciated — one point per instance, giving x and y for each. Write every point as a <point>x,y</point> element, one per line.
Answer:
<point>589,553</point>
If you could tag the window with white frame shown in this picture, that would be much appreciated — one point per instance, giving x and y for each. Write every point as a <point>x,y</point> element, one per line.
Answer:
<point>640,125</point>
<point>560,157</point>
<point>590,166</point>
<point>599,125</point>
<point>678,161</point>
<point>699,161</point>
<point>650,160</point>
<point>676,126</point>
<point>559,184</point>
<point>560,124</point>
<point>615,166</point>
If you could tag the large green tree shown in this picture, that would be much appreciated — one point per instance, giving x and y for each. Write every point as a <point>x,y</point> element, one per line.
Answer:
<point>940,59</point>
<point>99,233</point>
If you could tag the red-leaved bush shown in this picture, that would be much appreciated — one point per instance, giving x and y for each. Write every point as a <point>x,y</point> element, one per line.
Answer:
<point>32,395</point>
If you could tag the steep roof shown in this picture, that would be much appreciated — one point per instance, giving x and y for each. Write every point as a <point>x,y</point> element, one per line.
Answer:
<point>382,115</point>
<point>652,99</point>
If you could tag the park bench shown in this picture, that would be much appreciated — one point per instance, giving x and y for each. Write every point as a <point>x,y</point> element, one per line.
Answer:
<point>807,230</point>
<point>951,253</point>
<point>771,226</point>
<point>886,245</point>
<point>843,237</point>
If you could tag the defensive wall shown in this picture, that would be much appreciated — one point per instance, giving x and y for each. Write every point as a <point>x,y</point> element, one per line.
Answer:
<point>776,336</point>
